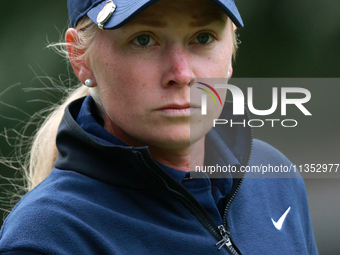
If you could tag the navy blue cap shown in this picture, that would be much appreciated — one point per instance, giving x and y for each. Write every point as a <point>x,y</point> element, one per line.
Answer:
<point>126,10</point>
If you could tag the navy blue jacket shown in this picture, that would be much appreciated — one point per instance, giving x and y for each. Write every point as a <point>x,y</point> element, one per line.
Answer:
<point>110,199</point>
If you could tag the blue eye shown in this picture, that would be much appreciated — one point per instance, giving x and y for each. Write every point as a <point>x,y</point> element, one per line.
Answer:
<point>204,38</point>
<point>144,40</point>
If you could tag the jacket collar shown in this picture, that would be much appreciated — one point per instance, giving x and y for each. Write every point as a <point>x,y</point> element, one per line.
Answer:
<point>130,166</point>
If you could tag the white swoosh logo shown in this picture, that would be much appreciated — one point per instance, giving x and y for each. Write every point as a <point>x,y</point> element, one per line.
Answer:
<point>279,223</point>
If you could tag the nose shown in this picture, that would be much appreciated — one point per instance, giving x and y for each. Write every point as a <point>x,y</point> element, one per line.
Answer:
<point>177,67</point>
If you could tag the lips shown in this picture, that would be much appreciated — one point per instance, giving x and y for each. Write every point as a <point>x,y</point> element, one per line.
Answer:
<point>178,106</point>
<point>177,110</point>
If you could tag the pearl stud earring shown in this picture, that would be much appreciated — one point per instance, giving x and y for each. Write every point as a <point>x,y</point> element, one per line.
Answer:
<point>89,83</point>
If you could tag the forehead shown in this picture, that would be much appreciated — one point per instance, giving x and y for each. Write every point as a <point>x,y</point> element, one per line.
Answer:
<point>196,12</point>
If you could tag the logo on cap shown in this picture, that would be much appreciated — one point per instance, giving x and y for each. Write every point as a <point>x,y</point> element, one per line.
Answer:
<point>105,13</point>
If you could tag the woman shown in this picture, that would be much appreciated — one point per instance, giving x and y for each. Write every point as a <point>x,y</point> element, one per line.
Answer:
<point>120,182</point>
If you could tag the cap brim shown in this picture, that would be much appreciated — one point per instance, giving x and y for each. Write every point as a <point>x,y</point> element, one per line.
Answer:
<point>229,7</point>
<point>127,10</point>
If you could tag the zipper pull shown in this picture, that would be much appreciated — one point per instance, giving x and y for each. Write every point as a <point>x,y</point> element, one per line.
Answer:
<point>225,238</point>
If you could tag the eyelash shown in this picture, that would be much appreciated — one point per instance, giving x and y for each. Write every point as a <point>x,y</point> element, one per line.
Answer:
<point>151,38</point>
<point>212,39</point>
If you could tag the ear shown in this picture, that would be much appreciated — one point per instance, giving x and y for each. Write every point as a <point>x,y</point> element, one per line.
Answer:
<point>235,27</point>
<point>230,71</point>
<point>77,60</point>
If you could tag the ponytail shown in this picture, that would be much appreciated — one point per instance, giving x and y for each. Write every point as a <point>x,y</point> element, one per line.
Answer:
<point>44,150</point>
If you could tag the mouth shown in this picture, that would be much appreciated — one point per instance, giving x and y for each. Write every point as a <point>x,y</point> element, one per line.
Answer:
<point>178,109</point>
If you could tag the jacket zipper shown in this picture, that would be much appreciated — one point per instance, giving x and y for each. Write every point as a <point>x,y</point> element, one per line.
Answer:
<point>226,241</point>
<point>223,231</point>
<point>202,216</point>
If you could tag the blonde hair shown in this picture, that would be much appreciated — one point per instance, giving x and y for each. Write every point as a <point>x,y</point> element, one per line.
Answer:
<point>43,151</point>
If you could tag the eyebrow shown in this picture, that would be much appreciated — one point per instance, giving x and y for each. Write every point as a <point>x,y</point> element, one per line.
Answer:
<point>201,22</point>
<point>151,23</point>
<point>207,20</point>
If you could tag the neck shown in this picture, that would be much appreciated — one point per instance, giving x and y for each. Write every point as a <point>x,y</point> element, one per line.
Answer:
<point>184,159</point>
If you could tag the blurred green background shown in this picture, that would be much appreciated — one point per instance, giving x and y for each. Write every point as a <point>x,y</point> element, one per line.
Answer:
<point>280,39</point>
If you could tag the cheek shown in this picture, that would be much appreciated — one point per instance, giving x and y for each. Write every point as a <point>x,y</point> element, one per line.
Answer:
<point>124,70</point>
<point>120,78</point>
<point>126,95</point>
<point>214,66</point>
<point>125,86</point>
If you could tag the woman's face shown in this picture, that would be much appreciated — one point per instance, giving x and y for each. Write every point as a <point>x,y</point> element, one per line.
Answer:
<point>145,71</point>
